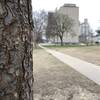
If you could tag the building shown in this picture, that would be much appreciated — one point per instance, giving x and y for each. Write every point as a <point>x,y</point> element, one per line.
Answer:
<point>73,12</point>
<point>86,33</point>
<point>50,27</point>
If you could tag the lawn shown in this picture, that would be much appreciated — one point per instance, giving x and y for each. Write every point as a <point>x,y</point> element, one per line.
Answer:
<point>87,53</point>
<point>55,80</point>
<point>64,46</point>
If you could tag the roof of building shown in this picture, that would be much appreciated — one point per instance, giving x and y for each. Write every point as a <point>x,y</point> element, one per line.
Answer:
<point>69,5</point>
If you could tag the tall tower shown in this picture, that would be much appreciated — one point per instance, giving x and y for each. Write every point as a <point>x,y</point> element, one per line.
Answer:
<point>73,12</point>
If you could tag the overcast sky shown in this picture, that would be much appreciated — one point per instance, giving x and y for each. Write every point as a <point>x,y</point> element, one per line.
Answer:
<point>87,9</point>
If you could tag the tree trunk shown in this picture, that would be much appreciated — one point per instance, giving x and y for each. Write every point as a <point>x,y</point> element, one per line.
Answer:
<point>16,68</point>
<point>61,39</point>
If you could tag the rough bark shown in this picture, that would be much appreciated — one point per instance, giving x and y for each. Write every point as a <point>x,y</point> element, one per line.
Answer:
<point>16,68</point>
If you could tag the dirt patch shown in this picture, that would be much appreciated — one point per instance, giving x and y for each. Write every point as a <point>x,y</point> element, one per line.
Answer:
<point>55,80</point>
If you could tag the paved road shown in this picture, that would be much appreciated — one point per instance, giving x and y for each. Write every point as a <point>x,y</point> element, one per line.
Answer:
<point>90,70</point>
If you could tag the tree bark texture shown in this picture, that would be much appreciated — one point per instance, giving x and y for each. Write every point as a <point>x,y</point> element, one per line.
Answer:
<point>16,68</point>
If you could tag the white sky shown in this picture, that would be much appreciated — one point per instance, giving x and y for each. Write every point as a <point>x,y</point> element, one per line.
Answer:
<point>87,9</point>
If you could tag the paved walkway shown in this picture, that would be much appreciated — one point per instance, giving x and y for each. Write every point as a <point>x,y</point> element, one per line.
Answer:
<point>90,70</point>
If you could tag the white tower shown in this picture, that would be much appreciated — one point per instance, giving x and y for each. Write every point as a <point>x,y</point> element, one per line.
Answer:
<point>73,12</point>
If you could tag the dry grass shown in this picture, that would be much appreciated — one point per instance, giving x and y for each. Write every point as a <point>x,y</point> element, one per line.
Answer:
<point>56,81</point>
<point>89,53</point>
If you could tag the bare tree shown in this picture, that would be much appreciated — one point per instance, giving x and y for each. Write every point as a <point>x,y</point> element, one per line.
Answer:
<point>16,68</point>
<point>58,25</point>
<point>64,25</point>
<point>40,22</point>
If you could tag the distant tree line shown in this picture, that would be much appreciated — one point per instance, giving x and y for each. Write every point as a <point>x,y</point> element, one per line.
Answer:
<point>40,24</point>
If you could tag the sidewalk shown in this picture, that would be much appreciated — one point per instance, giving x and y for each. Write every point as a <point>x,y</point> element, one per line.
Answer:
<point>89,70</point>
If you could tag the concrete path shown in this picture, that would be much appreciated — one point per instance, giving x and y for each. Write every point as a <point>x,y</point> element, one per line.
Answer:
<point>90,70</point>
